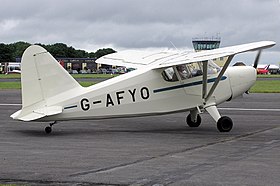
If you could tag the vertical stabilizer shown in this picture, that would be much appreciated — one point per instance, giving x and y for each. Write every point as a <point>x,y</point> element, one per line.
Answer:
<point>42,77</point>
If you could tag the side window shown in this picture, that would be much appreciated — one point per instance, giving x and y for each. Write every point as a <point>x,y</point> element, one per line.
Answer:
<point>183,71</point>
<point>189,70</point>
<point>195,69</point>
<point>169,75</point>
<point>213,68</point>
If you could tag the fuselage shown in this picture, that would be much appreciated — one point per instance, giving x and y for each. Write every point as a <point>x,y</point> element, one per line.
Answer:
<point>145,92</point>
<point>262,71</point>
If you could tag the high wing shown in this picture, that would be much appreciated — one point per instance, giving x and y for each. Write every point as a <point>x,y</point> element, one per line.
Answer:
<point>139,59</point>
<point>134,58</point>
<point>216,53</point>
<point>168,59</point>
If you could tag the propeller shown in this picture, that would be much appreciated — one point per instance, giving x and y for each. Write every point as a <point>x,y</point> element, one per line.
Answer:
<point>256,62</point>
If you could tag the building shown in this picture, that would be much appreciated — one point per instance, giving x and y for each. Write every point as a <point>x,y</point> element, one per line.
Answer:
<point>209,43</point>
<point>10,67</point>
<point>76,65</point>
<point>79,65</point>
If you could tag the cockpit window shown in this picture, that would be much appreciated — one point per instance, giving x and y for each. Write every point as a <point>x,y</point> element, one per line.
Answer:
<point>169,74</point>
<point>189,70</point>
<point>195,69</point>
<point>213,68</point>
<point>183,71</point>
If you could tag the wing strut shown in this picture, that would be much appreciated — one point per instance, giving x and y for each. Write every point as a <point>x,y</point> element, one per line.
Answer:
<point>204,80</point>
<point>214,86</point>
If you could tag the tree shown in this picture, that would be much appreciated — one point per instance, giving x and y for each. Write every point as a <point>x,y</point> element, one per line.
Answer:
<point>5,53</point>
<point>91,55</point>
<point>102,52</point>
<point>18,48</point>
<point>9,52</point>
<point>58,50</point>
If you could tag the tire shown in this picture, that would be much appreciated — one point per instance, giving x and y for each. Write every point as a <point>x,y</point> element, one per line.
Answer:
<point>224,124</point>
<point>48,130</point>
<point>193,124</point>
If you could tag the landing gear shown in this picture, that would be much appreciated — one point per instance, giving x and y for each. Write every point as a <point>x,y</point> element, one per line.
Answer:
<point>193,122</point>
<point>48,129</point>
<point>224,124</point>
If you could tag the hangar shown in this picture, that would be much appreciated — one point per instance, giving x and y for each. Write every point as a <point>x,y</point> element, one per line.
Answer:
<point>78,65</point>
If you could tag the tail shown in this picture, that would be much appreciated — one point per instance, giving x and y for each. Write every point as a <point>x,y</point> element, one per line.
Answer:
<point>42,78</point>
<point>267,67</point>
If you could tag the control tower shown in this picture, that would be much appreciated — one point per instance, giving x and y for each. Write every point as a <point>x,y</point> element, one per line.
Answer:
<point>209,43</point>
<point>206,43</point>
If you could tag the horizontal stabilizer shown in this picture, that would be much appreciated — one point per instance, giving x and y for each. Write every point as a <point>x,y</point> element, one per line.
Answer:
<point>37,114</point>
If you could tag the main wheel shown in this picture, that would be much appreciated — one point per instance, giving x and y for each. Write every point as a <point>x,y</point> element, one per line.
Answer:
<point>48,129</point>
<point>191,123</point>
<point>224,124</point>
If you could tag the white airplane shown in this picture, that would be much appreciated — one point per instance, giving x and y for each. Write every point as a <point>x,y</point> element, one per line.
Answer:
<point>165,82</point>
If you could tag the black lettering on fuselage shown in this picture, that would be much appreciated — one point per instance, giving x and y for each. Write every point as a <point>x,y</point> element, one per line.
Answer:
<point>109,101</point>
<point>85,104</point>
<point>119,97</point>
<point>145,93</point>
<point>132,93</point>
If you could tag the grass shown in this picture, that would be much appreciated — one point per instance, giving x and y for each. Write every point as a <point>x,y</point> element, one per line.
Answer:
<point>17,76</point>
<point>268,86</point>
<point>105,76</point>
<point>9,76</point>
<point>268,76</point>
<point>272,86</point>
<point>10,85</point>
<point>94,75</point>
<point>17,85</point>
<point>87,84</point>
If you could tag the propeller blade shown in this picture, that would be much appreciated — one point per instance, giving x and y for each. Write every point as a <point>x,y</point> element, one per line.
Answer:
<point>256,62</point>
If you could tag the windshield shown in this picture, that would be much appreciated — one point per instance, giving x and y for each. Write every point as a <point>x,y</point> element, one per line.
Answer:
<point>213,68</point>
<point>189,70</point>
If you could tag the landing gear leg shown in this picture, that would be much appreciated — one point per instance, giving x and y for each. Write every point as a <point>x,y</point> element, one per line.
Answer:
<point>224,124</point>
<point>193,119</point>
<point>48,129</point>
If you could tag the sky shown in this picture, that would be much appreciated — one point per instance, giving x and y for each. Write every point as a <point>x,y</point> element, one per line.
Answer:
<point>141,24</point>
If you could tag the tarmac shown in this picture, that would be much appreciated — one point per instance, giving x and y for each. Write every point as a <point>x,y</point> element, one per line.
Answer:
<point>155,151</point>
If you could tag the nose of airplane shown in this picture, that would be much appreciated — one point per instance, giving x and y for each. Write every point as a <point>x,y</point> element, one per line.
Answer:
<point>242,78</point>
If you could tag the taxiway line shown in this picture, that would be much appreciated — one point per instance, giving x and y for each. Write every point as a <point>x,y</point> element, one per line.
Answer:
<point>10,104</point>
<point>247,109</point>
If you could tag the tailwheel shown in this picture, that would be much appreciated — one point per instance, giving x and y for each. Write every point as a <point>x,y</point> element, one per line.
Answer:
<point>193,123</point>
<point>48,129</point>
<point>224,124</point>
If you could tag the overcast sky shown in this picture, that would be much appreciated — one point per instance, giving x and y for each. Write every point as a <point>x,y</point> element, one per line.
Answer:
<point>123,24</point>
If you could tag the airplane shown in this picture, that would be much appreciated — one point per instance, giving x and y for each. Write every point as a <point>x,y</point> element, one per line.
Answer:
<point>163,83</point>
<point>13,68</point>
<point>263,70</point>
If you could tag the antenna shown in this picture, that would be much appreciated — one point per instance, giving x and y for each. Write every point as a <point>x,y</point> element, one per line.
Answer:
<point>173,45</point>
